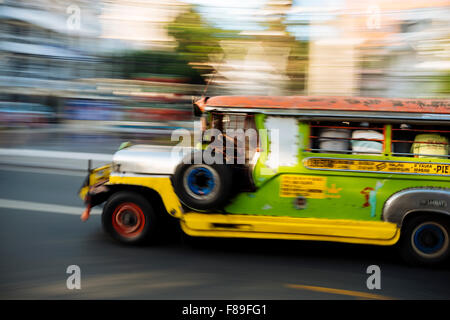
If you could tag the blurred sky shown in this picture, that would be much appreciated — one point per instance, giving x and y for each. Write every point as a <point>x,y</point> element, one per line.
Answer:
<point>230,14</point>
<point>243,15</point>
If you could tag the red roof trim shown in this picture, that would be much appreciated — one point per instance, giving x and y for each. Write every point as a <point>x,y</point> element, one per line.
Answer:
<point>332,103</point>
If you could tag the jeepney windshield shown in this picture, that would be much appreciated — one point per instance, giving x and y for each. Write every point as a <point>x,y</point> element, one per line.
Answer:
<point>237,131</point>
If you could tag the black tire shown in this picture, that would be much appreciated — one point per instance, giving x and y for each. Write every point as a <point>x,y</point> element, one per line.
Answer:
<point>129,218</point>
<point>203,186</point>
<point>425,240</point>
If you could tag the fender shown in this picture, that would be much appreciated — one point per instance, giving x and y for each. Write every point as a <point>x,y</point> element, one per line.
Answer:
<point>421,199</point>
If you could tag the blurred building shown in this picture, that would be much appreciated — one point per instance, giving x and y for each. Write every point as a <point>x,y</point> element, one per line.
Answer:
<point>415,60</point>
<point>252,67</point>
<point>140,24</point>
<point>54,49</point>
<point>381,48</point>
<point>45,44</point>
<point>333,67</point>
<point>259,62</point>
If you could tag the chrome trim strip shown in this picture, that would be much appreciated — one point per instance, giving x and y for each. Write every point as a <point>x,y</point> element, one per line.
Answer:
<point>349,152</point>
<point>420,154</point>
<point>136,175</point>
<point>336,114</point>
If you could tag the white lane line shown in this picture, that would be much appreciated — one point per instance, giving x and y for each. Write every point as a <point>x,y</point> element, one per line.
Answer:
<point>55,154</point>
<point>64,172</point>
<point>44,207</point>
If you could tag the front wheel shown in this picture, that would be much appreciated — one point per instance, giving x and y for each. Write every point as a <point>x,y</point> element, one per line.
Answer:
<point>129,218</point>
<point>425,241</point>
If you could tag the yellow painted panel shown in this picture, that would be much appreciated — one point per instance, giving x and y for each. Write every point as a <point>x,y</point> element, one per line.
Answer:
<point>313,187</point>
<point>292,227</point>
<point>83,192</point>
<point>285,236</point>
<point>162,185</point>
<point>96,175</point>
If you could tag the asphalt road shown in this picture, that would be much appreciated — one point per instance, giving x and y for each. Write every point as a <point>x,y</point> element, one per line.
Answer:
<point>41,235</point>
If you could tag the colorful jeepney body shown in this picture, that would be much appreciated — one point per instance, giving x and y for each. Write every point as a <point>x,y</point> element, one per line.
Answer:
<point>325,168</point>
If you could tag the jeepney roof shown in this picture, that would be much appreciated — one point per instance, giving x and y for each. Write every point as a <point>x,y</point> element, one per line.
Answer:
<point>324,106</point>
<point>331,103</point>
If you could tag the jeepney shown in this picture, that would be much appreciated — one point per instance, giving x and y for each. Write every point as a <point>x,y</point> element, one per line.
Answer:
<point>370,171</point>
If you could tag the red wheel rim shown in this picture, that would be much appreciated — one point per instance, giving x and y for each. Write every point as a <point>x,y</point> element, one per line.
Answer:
<point>128,220</point>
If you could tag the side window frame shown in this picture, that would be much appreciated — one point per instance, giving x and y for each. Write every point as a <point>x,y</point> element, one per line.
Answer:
<point>312,141</point>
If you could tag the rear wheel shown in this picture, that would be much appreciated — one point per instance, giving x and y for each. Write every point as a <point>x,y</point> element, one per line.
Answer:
<point>425,240</point>
<point>129,218</point>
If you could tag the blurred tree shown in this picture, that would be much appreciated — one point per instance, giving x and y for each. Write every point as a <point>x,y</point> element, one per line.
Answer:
<point>157,65</point>
<point>196,40</point>
<point>297,65</point>
<point>445,84</point>
<point>278,36</point>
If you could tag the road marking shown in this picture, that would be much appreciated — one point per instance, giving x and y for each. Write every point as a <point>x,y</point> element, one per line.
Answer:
<point>44,207</point>
<point>356,294</point>
<point>55,154</point>
<point>31,169</point>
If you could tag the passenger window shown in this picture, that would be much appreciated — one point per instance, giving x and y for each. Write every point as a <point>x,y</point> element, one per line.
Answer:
<point>420,141</point>
<point>238,132</point>
<point>245,142</point>
<point>233,121</point>
<point>347,138</point>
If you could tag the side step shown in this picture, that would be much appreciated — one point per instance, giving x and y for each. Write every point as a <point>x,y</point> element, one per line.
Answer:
<point>246,226</point>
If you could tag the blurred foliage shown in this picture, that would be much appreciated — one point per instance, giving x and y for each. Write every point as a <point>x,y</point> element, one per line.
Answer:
<point>156,64</point>
<point>197,40</point>
<point>297,66</point>
<point>199,45</point>
<point>445,83</point>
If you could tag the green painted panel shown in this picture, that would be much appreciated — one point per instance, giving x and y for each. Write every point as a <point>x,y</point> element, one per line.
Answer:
<point>343,197</point>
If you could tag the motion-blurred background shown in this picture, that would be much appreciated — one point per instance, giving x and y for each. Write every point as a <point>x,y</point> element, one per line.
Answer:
<point>130,67</point>
<point>79,77</point>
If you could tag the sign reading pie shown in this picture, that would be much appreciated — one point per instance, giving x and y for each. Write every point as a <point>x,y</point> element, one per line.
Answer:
<point>378,166</point>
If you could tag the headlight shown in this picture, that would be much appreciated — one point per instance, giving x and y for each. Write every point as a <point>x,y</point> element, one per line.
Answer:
<point>115,167</point>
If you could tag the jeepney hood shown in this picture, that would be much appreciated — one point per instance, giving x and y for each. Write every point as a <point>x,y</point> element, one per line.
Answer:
<point>149,159</point>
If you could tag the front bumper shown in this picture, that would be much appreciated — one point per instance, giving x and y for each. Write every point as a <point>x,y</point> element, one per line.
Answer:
<point>94,184</point>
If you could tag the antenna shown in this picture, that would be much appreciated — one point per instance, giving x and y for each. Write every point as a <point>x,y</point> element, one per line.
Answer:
<point>212,77</point>
<point>207,84</point>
